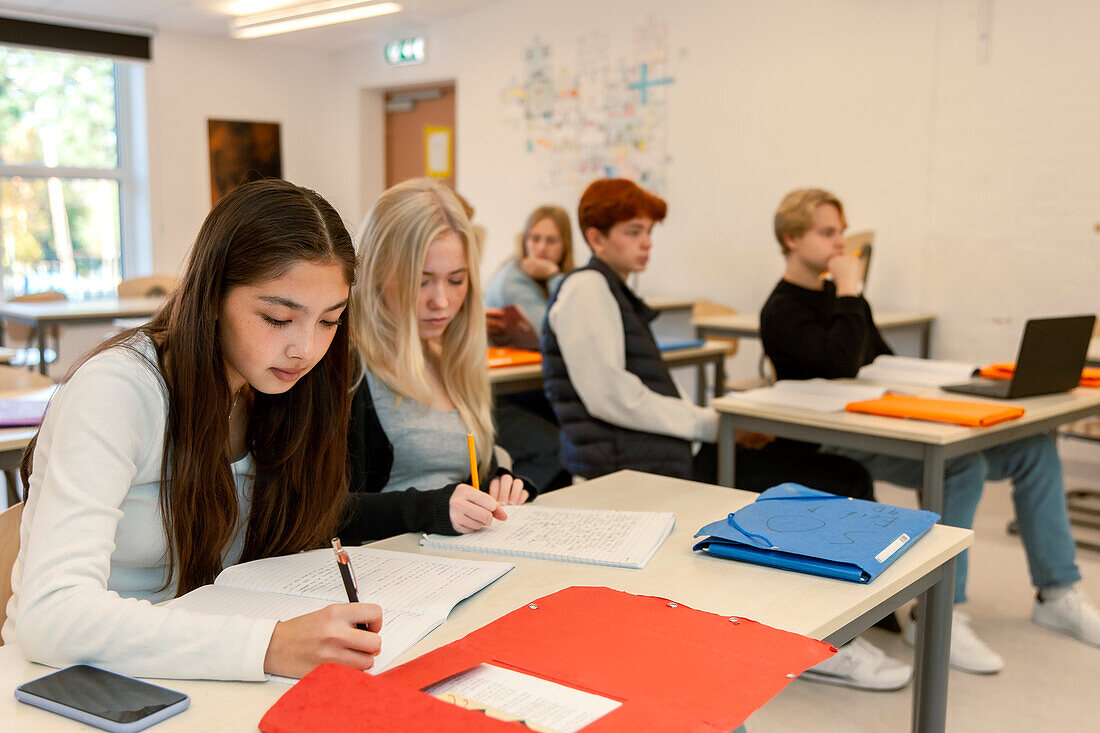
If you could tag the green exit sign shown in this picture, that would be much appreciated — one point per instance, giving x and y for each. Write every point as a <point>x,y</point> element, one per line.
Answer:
<point>407,51</point>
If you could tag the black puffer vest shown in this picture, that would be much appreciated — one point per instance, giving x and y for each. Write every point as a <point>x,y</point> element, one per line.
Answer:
<point>592,447</point>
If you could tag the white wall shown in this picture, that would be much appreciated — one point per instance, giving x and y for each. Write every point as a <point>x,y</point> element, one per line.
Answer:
<point>979,178</point>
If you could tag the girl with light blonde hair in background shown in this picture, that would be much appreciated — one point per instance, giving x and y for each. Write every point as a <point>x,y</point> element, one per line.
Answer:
<point>419,332</point>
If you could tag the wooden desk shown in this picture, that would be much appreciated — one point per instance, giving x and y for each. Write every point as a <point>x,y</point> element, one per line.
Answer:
<point>930,442</point>
<point>57,313</point>
<point>747,325</point>
<point>528,377</point>
<point>669,304</point>
<point>827,609</point>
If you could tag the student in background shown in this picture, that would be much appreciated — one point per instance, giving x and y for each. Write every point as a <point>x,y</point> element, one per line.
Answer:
<point>544,255</point>
<point>215,434</point>
<point>811,327</point>
<point>418,328</point>
<point>620,409</point>
<point>527,428</point>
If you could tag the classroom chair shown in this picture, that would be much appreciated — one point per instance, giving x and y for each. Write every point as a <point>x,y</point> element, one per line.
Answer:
<point>10,520</point>
<point>27,354</point>
<point>151,286</point>
<point>15,381</point>
<point>704,308</point>
<point>1084,503</point>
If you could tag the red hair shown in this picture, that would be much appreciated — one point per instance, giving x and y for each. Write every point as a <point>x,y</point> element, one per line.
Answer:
<point>608,201</point>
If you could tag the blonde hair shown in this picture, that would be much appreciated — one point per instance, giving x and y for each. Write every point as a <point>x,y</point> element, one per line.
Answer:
<point>795,214</point>
<point>392,245</point>
<point>560,217</point>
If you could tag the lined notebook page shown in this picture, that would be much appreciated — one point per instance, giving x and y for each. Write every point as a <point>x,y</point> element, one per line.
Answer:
<point>400,629</point>
<point>590,536</point>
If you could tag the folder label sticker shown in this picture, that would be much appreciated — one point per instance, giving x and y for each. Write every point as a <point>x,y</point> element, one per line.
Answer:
<point>892,548</point>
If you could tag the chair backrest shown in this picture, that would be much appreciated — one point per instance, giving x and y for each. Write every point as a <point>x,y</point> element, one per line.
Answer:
<point>856,240</point>
<point>16,379</point>
<point>704,308</point>
<point>147,287</point>
<point>10,520</point>
<point>21,331</point>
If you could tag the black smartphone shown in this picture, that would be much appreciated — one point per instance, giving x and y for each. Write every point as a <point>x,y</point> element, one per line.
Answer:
<point>109,701</point>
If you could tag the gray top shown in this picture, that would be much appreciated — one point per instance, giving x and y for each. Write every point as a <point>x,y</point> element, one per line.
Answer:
<point>512,286</point>
<point>429,446</point>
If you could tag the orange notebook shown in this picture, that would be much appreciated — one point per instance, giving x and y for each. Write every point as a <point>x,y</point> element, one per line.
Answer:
<point>959,412</point>
<point>506,356</point>
<point>1090,376</point>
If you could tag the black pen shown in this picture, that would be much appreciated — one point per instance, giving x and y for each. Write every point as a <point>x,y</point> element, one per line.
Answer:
<point>344,563</point>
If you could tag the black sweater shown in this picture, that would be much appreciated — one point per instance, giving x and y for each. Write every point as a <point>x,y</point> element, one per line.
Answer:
<point>374,515</point>
<point>813,333</point>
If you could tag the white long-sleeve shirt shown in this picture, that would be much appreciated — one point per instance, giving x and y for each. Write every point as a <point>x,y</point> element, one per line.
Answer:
<point>92,552</point>
<point>588,325</point>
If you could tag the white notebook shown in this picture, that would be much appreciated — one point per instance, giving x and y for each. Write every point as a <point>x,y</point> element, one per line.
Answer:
<point>590,536</point>
<point>416,592</point>
<point>819,395</point>
<point>911,370</point>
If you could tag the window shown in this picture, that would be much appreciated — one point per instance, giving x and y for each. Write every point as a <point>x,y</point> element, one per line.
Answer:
<point>70,193</point>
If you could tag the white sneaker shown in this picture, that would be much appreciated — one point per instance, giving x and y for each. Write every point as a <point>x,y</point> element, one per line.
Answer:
<point>1071,614</point>
<point>859,663</point>
<point>968,652</point>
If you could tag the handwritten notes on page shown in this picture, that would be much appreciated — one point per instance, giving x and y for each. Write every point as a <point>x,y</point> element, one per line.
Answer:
<point>590,536</point>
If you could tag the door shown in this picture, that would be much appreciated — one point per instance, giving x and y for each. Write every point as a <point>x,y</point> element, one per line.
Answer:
<point>420,133</point>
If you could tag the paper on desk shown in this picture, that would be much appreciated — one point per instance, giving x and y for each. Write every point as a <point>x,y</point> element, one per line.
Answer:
<point>819,395</point>
<point>533,700</point>
<point>911,370</point>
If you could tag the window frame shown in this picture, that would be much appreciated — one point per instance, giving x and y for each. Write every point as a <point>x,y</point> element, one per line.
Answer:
<point>131,172</point>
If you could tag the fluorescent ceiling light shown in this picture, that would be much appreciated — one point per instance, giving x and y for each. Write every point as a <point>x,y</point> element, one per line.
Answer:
<point>307,16</point>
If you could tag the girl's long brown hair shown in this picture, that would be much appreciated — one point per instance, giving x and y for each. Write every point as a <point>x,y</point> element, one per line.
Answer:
<point>298,440</point>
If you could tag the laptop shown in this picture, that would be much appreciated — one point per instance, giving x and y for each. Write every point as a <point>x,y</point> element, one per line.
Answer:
<point>1052,355</point>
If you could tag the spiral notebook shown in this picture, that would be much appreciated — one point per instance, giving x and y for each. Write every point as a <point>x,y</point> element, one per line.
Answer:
<point>590,536</point>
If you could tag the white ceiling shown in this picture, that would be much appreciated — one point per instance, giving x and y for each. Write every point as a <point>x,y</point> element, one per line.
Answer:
<point>211,17</point>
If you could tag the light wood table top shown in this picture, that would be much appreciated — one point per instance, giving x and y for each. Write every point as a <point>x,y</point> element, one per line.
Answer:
<point>801,603</point>
<point>1036,409</point>
<point>75,311</point>
<point>747,324</point>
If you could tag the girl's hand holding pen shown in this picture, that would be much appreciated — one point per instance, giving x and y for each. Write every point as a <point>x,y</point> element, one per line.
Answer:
<point>328,635</point>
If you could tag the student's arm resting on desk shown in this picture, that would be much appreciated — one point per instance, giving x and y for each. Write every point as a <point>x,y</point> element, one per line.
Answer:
<point>794,338</point>
<point>588,325</point>
<point>104,425</point>
<point>372,514</point>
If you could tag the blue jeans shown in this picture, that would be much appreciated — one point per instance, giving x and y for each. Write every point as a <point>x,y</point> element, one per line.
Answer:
<point>1038,491</point>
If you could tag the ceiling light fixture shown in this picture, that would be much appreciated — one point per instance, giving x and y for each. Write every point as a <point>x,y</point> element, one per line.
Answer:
<point>307,16</point>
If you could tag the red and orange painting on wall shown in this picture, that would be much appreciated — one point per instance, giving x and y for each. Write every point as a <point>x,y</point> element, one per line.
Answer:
<point>241,152</point>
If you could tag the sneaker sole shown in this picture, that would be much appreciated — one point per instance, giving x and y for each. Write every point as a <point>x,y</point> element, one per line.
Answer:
<point>1064,631</point>
<point>849,682</point>
<point>959,667</point>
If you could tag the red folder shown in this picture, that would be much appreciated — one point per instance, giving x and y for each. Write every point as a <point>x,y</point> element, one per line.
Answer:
<point>674,668</point>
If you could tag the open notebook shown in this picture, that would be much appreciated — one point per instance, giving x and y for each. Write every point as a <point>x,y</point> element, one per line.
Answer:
<point>416,592</point>
<point>589,536</point>
<point>911,370</point>
<point>819,395</point>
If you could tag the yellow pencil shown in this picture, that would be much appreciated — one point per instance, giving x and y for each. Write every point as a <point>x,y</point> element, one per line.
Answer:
<point>473,461</point>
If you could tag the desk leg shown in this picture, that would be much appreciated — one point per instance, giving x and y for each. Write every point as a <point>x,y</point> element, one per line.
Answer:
<point>701,384</point>
<point>933,652</point>
<point>720,375</point>
<point>925,340</point>
<point>726,456</point>
<point>931,495</point>
<point>40,331</point>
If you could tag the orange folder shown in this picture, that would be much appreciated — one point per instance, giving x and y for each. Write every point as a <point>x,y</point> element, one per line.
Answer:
<point>506,356</point>
<point>1090,376</point>
<point>960,412</point>
<point>672,667</point>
